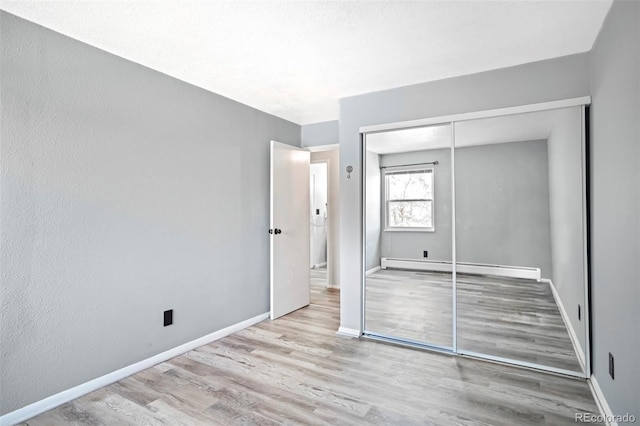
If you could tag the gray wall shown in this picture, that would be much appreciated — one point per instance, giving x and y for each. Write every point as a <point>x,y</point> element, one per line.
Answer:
<point>410,245</point>
<point>615,205</point>
<point>502,205</point>
<point>317,134</point>
<point>566,207</point>
<point>124,193</point>
<point>333,223</point>
<point>560,78</point>
<point>373,206</point>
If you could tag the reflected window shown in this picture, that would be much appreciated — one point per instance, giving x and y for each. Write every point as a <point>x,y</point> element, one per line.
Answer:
<point>409,199</point>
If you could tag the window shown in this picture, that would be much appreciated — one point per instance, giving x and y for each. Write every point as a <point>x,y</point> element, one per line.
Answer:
<point>409,199</point>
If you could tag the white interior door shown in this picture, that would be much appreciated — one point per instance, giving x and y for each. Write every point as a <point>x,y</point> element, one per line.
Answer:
<point>289,229</point>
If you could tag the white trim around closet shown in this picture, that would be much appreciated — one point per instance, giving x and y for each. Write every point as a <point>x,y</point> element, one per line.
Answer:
<point>543,106</point>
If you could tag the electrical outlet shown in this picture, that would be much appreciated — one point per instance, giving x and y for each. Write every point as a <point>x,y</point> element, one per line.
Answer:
<point>611,369</point>
<point>579,313</point>
<point>425,254</point>
<point>168,317</point>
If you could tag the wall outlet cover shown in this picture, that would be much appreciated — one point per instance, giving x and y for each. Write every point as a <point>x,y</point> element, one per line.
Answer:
<point>611,367</point>
<point>579,313</point>
<point>168,317</point>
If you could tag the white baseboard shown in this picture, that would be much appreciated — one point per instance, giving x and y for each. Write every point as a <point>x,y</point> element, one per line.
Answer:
<point>567,322</point>
<point>348,332</point>
<point>601,401</point>
<point>463,268</point>
<point>372,270</point>
<point>54,401</point>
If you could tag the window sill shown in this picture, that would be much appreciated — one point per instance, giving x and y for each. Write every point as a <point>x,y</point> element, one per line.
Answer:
<point>409,230</point>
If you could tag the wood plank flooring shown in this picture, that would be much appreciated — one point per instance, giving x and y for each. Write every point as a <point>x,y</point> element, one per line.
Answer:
<point>296,370</point>
<point>506,317</point>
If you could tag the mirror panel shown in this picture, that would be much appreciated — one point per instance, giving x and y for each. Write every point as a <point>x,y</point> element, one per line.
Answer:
<point>408,233</point>
<point>520,279</point>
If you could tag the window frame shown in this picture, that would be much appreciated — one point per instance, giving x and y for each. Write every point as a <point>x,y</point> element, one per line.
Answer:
<point>390,170</point>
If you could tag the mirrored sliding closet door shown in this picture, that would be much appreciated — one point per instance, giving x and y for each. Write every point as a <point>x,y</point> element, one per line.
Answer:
<point>475,238</point>
<point>408,292</point>
<point>520,242</point>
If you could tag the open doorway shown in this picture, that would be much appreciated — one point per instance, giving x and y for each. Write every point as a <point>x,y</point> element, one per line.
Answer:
<point>318,214</point>
<point>301,201</point>
<point>324,262</point>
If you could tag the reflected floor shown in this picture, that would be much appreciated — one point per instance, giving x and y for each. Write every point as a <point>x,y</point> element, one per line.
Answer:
<point>505,317</point>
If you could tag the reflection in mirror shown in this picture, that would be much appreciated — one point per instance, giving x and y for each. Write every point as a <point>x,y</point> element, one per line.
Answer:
<point>408,235</point>
<point>520,238</point>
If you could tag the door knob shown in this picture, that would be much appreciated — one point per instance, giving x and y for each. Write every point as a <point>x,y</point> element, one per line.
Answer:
<point>278,231</point>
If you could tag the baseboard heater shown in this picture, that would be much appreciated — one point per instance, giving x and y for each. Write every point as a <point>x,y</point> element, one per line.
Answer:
<point>462,268</point>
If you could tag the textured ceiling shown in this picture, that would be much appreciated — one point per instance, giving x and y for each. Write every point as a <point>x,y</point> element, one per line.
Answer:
<point>296,59</point>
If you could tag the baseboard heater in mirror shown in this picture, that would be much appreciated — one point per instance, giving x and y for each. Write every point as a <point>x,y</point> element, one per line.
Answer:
<point>462,268</point>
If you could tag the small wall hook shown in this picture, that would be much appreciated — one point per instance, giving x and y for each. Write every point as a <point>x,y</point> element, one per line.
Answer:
<point>349,170</point>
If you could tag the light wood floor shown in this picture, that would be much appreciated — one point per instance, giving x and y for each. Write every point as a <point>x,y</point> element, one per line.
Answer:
<point>505,317</point>
<point>296,370</point>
